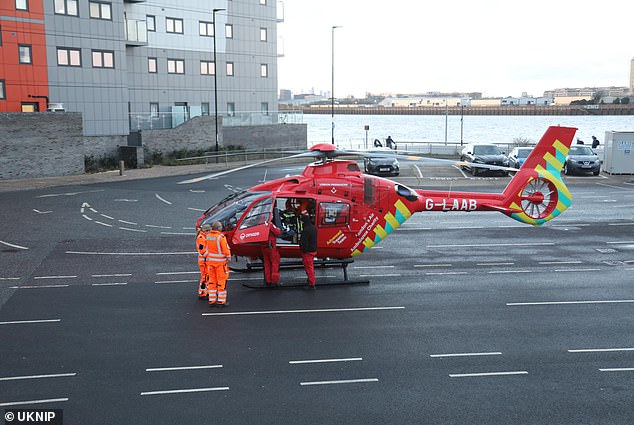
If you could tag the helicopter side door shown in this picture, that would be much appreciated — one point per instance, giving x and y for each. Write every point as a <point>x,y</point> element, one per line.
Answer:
<point>254,227</point>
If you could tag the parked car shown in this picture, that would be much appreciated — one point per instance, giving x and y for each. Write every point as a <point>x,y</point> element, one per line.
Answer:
<point>582,159</point>
<point>484,153</point>
<point>518,155</point>
<point>383,163</point>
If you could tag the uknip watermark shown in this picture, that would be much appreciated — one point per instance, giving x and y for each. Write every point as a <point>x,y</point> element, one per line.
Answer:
<point>33,416</point>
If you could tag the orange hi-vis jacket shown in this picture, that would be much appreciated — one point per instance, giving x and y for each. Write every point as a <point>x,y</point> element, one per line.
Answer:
<point>217,248</point>
<point>201,246</point>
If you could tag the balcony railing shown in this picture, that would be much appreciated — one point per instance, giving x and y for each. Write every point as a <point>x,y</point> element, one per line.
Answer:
<point>182,114</point>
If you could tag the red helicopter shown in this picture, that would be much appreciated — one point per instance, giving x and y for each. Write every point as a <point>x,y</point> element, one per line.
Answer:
<point>355,211</point>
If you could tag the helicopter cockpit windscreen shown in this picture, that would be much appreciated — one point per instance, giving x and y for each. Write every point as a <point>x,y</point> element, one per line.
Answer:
<point>229,210</point>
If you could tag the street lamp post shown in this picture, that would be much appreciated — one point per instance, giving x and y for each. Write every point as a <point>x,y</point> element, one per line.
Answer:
<point>213,13</point>
<point>332,86</point>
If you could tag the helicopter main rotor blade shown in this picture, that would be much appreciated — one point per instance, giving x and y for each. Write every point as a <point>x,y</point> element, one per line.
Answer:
<point>244,167</point>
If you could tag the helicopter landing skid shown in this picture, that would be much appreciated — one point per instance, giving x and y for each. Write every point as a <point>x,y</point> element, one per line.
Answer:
<point>319,263</point>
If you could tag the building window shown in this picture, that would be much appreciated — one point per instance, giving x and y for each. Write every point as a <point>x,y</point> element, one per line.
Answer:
<point>229,69</point>
<point>229,30</point>
<point>100,10</point>
<point>151,22</point>
<point>263,2</point>
<point>264,108</point>
<point>21,4</point>
<point>175,66</point>
<point>207,68</point>
<point>263,34</point>
<point>3,95</point>
<point>174,25</point>
<point>102,59</point>
<point>66,7</point>
<point>206,29</point>
<point>264,70</point>
<point>154,110</point>
<point>151,65</point>
<point>231,109</point>
<point>204,108</point>
<point>24,51</point>
<point>68,57</point>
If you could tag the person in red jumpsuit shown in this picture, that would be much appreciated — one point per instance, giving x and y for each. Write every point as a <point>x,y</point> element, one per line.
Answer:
<point>271,256</point>
<point>308,247</point>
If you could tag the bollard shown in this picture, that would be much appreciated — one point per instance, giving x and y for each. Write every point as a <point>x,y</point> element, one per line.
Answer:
<point>121,165</point>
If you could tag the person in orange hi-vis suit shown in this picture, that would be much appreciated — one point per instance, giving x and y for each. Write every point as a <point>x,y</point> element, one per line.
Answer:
<point>271,256</point>
<point>201,247</point>
<point>218,255</point>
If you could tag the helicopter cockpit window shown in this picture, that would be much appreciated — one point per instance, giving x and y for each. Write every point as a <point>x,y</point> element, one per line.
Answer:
<point>406,192</point>
<point>229,210</point>
<point>333,213</point>
<point>259,214</point>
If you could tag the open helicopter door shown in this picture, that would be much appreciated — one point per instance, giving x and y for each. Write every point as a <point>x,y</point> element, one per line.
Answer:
<point>254,227</point>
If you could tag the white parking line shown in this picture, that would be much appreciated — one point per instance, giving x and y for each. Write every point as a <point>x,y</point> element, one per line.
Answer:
<point>191,390</point>
<point>494,264</point>
<point>444,273</point>
<point>133,230</point>
<point>509,271</point>
<point>164,273</point>
<point>162,199</point>
<point>176,281</point>
<point>352,359</point>
<point>326,310</point>
<point>470,375</point>
<point>13,245</point>
<point>576,270</point>
<point>55,277</point>
<point>110,284</point>
<point>599,350</point>
<point>22,322</point>
<point>345,381</point>
<point>618,369</point>
<point>22,403</point>
<point>38,286</point>
<point>559,262</point>
<point>56,375</point>
<point>571,302</point>
<point>432,265</point>
<point>168,369</point>
<point>112,275</point>
<point>493,353</point>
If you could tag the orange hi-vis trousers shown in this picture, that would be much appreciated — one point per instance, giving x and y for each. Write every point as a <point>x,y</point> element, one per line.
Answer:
<point>204,277</point>
<point>217,285</point>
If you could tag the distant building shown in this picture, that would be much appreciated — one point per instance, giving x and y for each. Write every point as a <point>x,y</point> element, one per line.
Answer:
<point>113,60</point>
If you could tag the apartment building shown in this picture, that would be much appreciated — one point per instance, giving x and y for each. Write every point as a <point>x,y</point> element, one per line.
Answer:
<point>134,64</point>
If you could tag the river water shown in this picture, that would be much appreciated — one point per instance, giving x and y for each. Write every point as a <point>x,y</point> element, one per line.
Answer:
<point>413,129</point>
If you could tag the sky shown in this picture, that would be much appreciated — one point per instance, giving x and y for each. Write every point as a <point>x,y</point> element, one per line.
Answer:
<point>498,48</point>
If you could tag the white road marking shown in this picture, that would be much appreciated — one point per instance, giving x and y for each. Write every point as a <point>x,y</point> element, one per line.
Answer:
<point>177,281</point>
<point>621,242</point>
<point>57,375</point>
<point>38,286</point>
<point>485,245</point>
<point>128,222</point>
<point>559,262</point>
<point>133,230</point>
<point>126,200</point>
<point>380,275</point>
<point>420,174</point>
<point>196,209</point>
<point>107,216</point>
<point>325,310</point>
<point>52,195</point>
<point>110,284</point>
<point>494,264</point>
<point>9,278</point>
<point>162,199</point>
<point>179,233</point>
<point>493,353</point>
<point>130,253</point>
<point>576,270</point>
<point>618,369</point>
<point>103,224</point>
<point>13,245</point>
<point>443,273</point>
<point>86,217</point>
<point>351,359</point>
<point>164,273</point>
<point>571,302</point>
<point>432,265</point>
<point>22,322</point>
<point>599,350</point>
<point>54,277</point>
<point>42,212</point>
<point>191,390</point>
<point>469,375</point>
<point>414,228</point>
<point>509,271</point>
<point>345,381</point>
<point>22,403</point>
<point>167,369</point>
<point>373,267</point>
<point>157,227</point>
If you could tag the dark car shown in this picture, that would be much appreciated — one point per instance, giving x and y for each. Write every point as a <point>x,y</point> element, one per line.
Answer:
<point>381,162</point>
<point>518,155</point>
<point>582,159</point>
<point>483,153</point>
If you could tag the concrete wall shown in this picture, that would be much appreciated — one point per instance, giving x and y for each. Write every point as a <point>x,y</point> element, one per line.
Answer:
<point>40,145</point>
<point>292,136</point>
